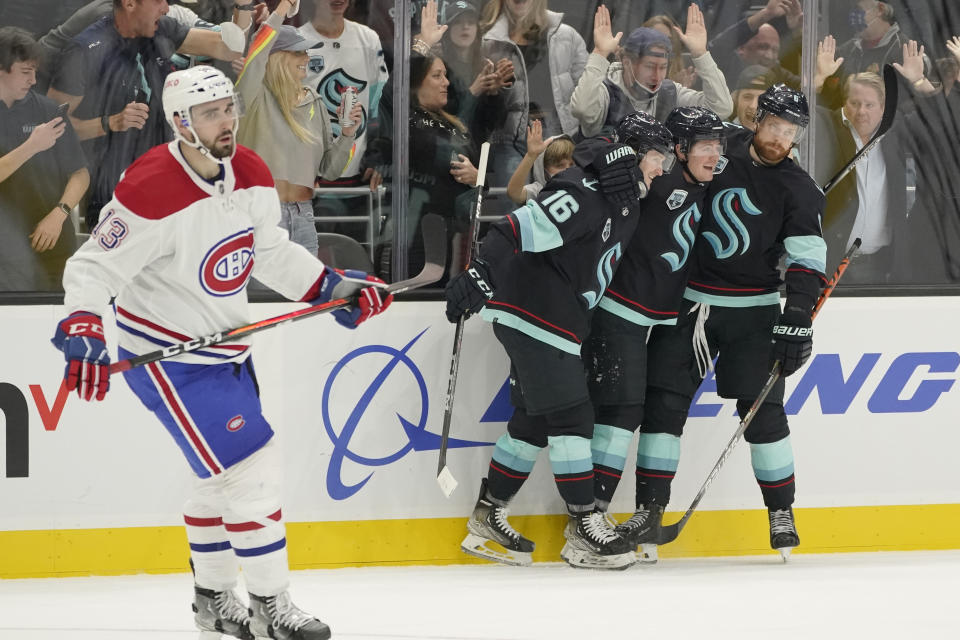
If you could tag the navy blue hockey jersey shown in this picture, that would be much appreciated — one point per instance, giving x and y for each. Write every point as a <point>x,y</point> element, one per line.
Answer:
<point>755,214</point>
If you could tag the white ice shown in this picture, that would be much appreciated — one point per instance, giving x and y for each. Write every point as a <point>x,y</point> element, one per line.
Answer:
<point>818,597</point>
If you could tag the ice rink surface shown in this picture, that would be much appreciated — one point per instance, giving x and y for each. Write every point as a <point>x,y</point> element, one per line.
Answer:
<point>813,597</point>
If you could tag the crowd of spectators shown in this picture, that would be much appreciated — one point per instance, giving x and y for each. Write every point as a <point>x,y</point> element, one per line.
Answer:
<point>80,101</point>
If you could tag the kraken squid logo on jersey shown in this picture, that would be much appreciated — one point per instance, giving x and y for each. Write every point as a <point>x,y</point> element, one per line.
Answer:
<point>605,268</point>
<point>676,199</point>
<point>331,90</point>
<point>684,232</point>
<point>725,207</point>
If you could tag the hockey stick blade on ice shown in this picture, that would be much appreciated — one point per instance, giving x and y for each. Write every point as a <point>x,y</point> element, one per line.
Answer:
<point>669,533</point>
<point>891,89</point>
<point>444,477</point>
<point>435,246</point>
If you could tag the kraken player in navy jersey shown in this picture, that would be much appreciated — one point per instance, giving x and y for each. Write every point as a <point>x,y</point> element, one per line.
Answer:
<point>546,266</point>
<point>761,206</point>
<point>647,290</point>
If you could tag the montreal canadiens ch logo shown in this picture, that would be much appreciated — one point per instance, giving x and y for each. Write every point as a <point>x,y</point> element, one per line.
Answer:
<point>227,266</point>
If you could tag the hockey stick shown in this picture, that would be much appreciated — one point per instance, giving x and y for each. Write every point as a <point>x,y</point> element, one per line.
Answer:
<point>891,89</point>
<point>435,244</point>
<point>444,477</point>
<point>669,533</point>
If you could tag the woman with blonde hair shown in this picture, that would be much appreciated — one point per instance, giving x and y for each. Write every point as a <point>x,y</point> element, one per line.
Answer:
<point>286,123</point>
<point>548,58</point>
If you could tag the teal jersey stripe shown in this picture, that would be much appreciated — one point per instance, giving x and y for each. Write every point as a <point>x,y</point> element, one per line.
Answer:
<point>515,454</point>
<point>610,445</point>
<point>537,231</point>
<point>807,251</point>
<point>570,454</point>
<point>773,460</point>
<point>659,451</point>
<point>760,300</point>
<point>628,314</point>
<point>532,330</point>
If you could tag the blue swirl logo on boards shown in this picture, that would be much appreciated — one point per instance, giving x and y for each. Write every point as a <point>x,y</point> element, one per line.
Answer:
<point>418,438</point>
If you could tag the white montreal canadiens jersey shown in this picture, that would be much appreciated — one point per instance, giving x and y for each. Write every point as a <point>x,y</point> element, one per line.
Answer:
<point>177,252</point>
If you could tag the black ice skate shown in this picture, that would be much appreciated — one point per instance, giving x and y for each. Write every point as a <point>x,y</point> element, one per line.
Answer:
<point>490,536</point>
<point>278,618</point>
<point>219,613</point>
<point>593,544</point>
<point>783,531</point>
<point>642,529</point>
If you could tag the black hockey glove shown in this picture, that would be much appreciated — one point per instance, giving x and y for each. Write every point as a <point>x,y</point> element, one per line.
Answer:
<point>468,290</point>
<point>792,339</point>
<point>618,170</point>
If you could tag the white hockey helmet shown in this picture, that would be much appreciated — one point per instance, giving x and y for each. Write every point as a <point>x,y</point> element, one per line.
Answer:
<point>190,87</point>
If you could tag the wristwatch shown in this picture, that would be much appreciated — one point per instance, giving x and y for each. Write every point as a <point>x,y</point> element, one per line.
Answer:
<point>245,7</point>
<point>105,122</point>
<point>67,209</point>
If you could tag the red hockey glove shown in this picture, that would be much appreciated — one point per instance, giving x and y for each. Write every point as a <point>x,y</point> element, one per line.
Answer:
<point>370,300</point>
<point>80,337</point>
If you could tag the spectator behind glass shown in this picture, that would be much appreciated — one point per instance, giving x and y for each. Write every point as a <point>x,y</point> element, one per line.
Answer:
<point>637,81</point>
<point>42,173</point>
<point>347,54</point>
<point>287,124</point>
<point>442,162</point>
<point>681,68</point>
<point>756,40</point>
<point>548,58</point>
<point>753,81</point>
<point>546,158</point>
<point>112,77</point>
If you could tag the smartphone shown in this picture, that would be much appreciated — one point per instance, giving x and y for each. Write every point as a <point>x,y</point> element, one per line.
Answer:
<point>62,111</point>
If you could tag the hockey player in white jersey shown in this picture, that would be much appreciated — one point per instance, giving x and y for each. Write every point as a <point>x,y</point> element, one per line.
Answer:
<point>188,225</point>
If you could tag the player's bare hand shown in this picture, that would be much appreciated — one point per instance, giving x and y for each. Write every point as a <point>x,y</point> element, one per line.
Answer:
<point>953,46</point>
<point>604,42</point>
<point>47,232</point>
<point>695,37</point>
<point>912,67</point>
<point>486,81</point>
<point>374,177</point>
<point>463,170</point>
<point>431,31</point>
<point>535,142</point>
<point>827,62</point>
<point>45,135</point>
<point>133,116</point>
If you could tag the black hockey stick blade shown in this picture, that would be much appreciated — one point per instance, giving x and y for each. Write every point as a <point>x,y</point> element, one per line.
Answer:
<point>445,478</point>
<point>435,248</point>
<point>669,533</point>
<point>891,88</point>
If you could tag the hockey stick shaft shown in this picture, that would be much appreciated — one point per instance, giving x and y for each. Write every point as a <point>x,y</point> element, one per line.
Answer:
<point>669,533</point>
<point>433,231</point>
<point>891,90</point>
<point>444,476</point>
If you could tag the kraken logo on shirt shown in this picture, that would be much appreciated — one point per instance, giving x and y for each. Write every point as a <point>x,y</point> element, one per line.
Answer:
<point>684,232</point>
<point>727,207</point>
<point>605,268</point>
<point>331,90</point>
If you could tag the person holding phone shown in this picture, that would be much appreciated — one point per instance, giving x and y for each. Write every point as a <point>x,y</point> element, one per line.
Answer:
<point>43,174</point>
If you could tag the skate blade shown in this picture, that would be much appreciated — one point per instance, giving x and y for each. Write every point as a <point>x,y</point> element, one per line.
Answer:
<point>785,553</point>
<point>487,549</point>
<point>446,481</point>
<point>580,559</point>
<point>648,554</point>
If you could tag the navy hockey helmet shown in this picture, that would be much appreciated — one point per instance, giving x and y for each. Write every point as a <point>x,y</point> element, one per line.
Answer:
<point>687,125</point>
<point>784,102</point>
<point>645,133</point>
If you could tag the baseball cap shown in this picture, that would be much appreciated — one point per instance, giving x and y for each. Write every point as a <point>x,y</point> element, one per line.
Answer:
<point>289,39</point>
<point>452,9</point>
<point>642,38</point>
<point>754,77</point>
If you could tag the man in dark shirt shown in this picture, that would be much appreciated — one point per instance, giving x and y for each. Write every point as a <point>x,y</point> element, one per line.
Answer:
<point>43,174</point>
<point>112,78</point>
